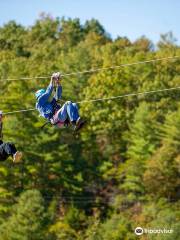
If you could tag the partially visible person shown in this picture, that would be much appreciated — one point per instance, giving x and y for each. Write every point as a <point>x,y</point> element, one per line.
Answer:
<point>8,149</point>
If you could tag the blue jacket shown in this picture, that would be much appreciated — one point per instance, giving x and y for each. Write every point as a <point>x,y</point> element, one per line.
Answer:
<point>46,107</point>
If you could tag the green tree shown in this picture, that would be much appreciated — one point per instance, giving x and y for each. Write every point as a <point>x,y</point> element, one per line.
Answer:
<point>141,144</point>
<point>27,219</point>
<point>161,176</point>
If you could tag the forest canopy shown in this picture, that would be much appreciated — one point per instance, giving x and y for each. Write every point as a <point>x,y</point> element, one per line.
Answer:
<point>122,170</point>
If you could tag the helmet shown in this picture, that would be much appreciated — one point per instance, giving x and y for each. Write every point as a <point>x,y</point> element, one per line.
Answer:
<point>39,93</point>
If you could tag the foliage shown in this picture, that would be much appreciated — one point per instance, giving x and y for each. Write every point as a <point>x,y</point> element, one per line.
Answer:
<point>27,219</point>
<point>122,170</point>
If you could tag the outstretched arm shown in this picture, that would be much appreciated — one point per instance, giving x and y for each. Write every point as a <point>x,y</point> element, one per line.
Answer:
<point>57,81</point>
<point>45,97</point>
<point>58,93</point>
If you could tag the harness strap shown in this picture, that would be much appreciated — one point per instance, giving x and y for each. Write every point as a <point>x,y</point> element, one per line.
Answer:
<point>66,123</point>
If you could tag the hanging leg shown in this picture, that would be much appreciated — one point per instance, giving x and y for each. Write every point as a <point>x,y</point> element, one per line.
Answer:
<point>72,111</point>
<point>60,117</point>
<point>74,117</point>
<point>68,111</point>
<point>8,149</point>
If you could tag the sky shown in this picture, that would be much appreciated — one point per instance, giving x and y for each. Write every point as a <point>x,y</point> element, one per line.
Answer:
<point>130,18</point>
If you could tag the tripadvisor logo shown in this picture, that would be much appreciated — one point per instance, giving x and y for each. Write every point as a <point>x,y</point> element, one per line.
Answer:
<point>138,231</point>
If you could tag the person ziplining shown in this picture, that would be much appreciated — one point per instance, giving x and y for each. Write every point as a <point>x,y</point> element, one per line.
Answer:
<point>57,115</point>
<point>8,149</point>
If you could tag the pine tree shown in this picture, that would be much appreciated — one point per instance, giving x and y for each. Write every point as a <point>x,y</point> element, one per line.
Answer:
<point>142,142</point>
<point>27,219</point>
<point>161,176</point>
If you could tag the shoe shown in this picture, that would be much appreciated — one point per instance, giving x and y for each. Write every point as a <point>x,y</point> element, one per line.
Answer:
<point>79,124</point>
<point>17,157</point>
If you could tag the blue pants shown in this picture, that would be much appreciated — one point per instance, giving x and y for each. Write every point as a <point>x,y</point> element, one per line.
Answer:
<point>68,110</point>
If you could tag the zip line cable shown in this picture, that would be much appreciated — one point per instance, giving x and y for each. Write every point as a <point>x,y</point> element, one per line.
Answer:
<point>19,111</point>
<point>97,70</point>
<point>94,70</point>
<point>105,99</point>
<point>129,95</point>
<point>122,65</point>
